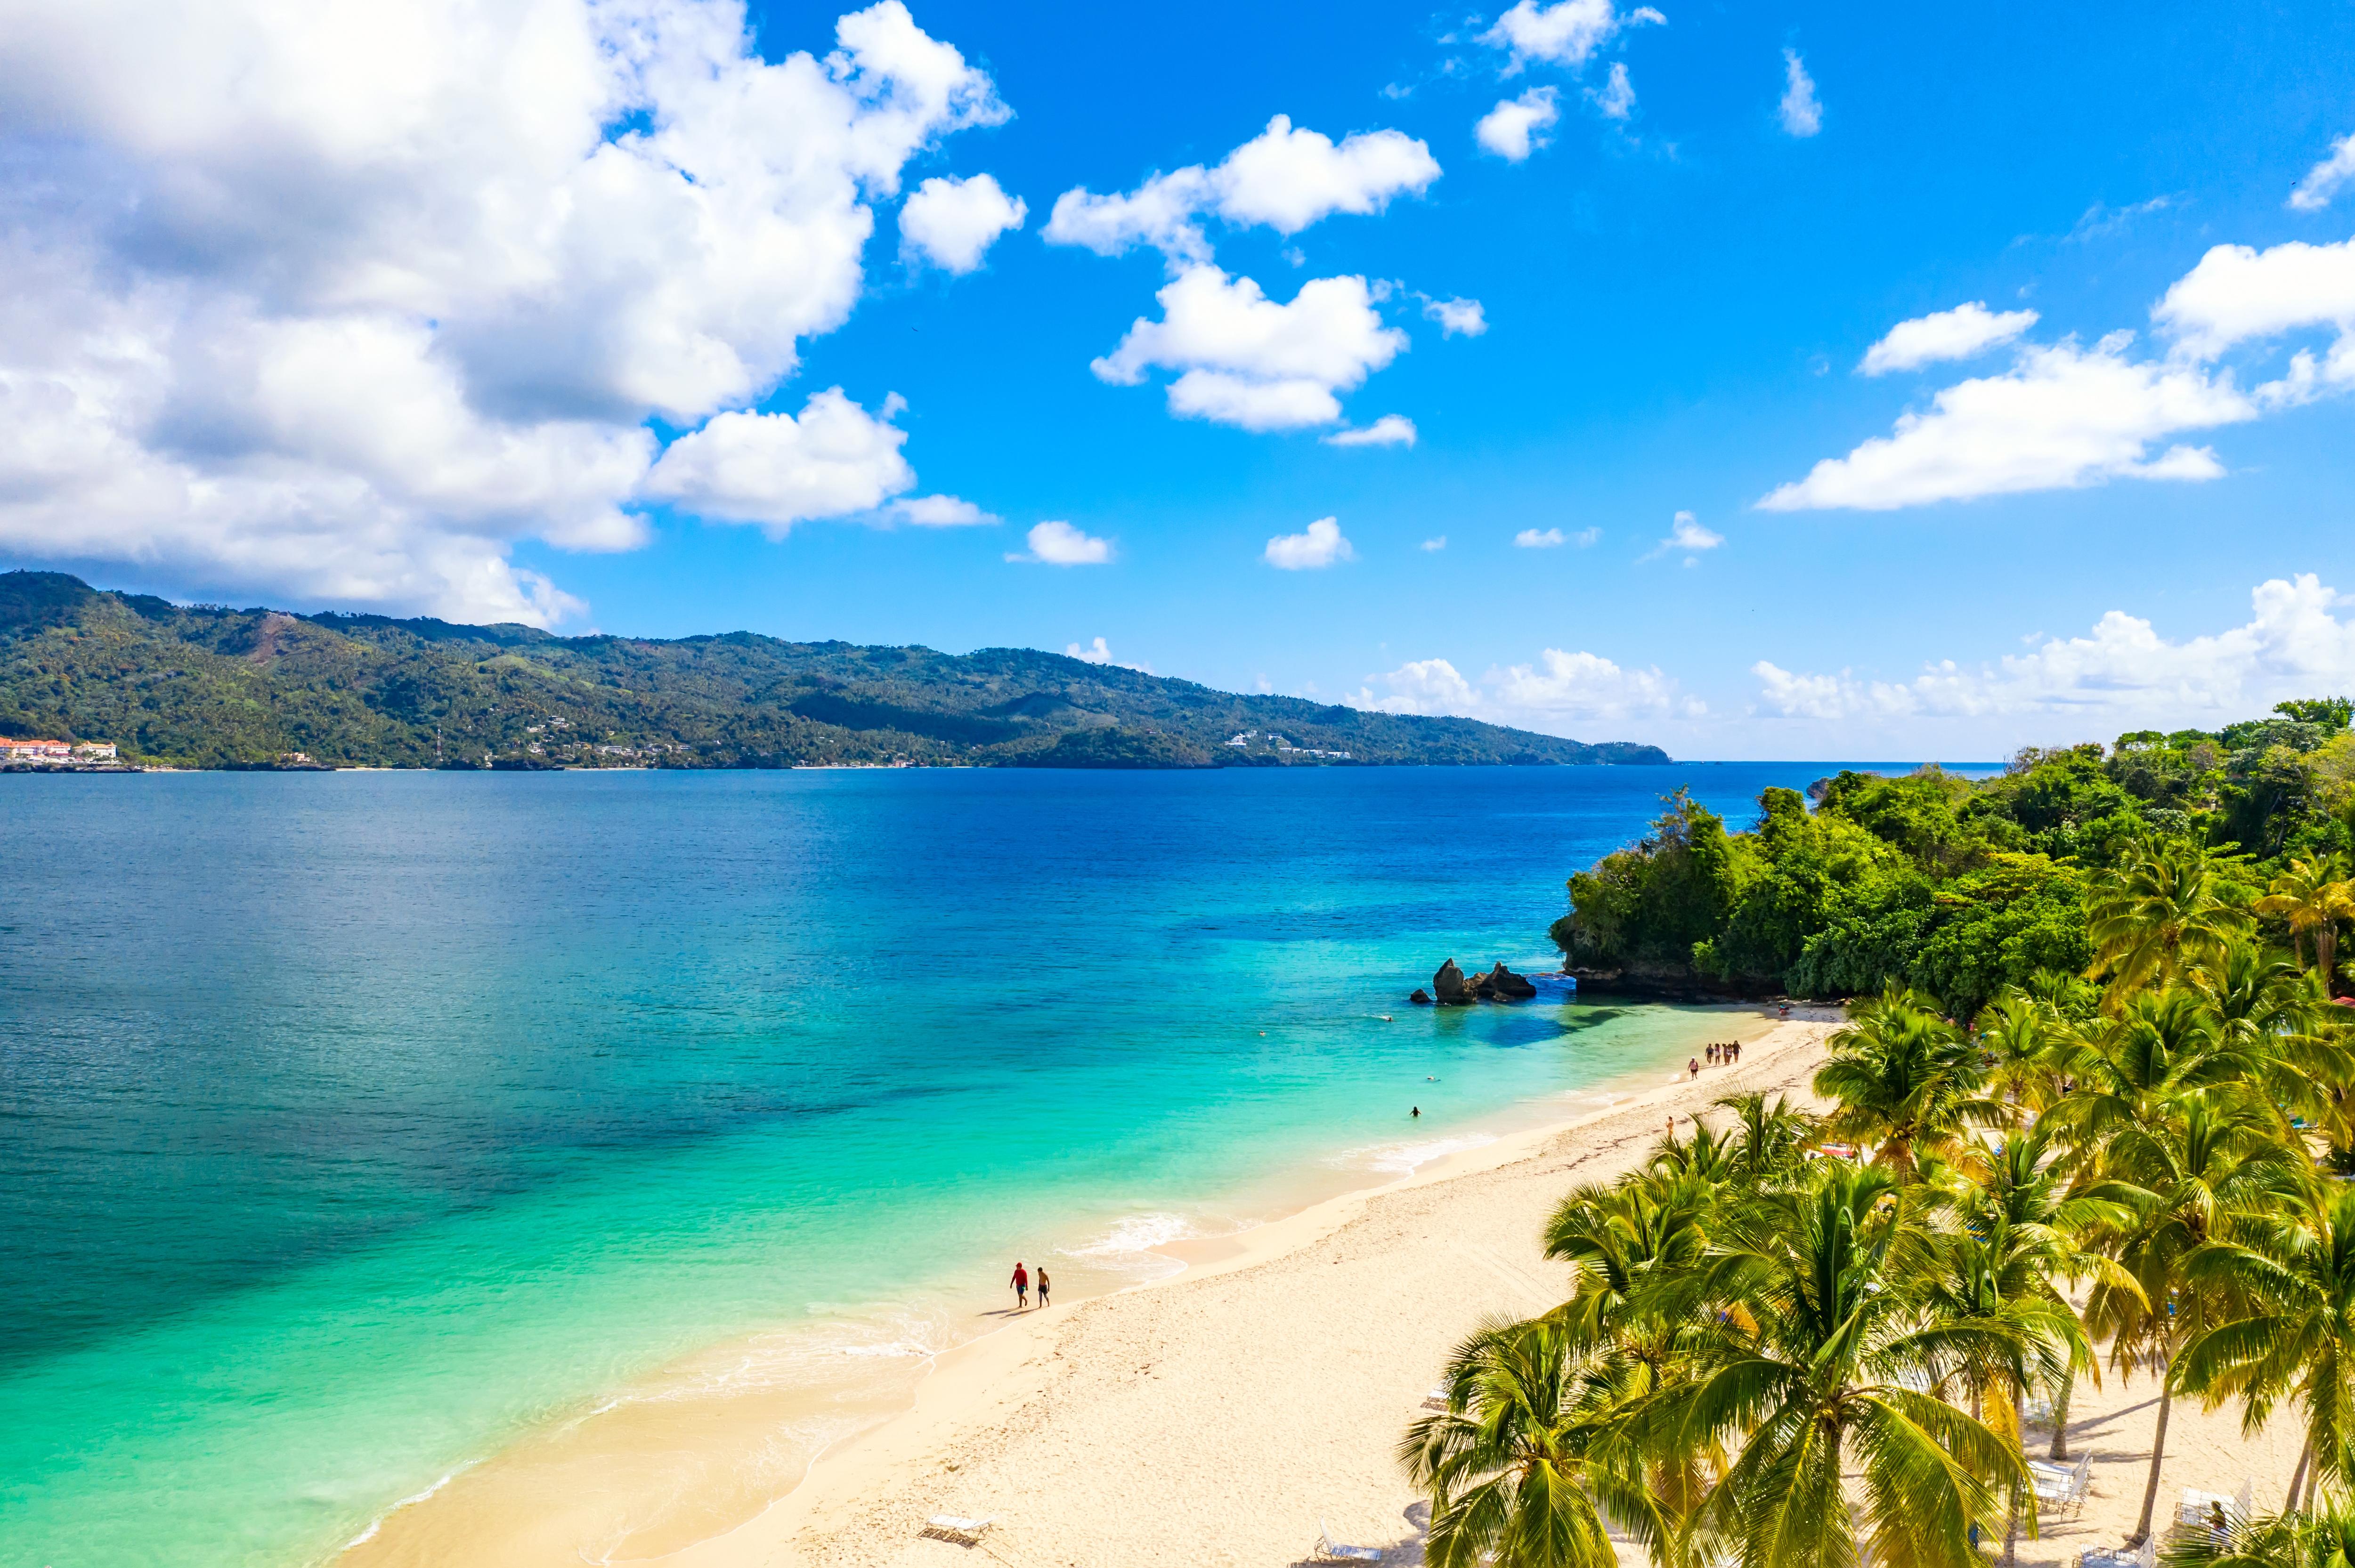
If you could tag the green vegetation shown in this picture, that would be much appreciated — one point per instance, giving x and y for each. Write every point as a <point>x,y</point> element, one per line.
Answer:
<point>1960,888</point>
<point>208,687</point>
<point>1779,1348</point>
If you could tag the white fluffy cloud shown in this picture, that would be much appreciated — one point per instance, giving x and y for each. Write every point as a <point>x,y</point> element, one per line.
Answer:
<point>1243,359</point>
<point>1286,177</point>
<point>1686,535</point>
<point>2063,418</point>
<point>1437,542</point>
<point>1966,330</point>
<point>1099,652</point>
<point>1512,130</point>
<point>1463,318</point>
<point>776,470</point>
<point>345,304</point>
<point>1536,539</point>
<point>1389,430</point>
<point>2066,417</point>
<point>1058,544</point>
<point>1615,99</point>
<point>939,511</point>
<point>952,223</point>
<point>2237,295</point>
<point>1566,34</point>
<point>1558,688</point>
<point>2323,181</point>
<point>1320,546</point>
<point>1802,112</point>
<point>2121,675</point>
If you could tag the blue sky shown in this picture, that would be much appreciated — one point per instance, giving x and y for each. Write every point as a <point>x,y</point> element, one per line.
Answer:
<point>289,340</point>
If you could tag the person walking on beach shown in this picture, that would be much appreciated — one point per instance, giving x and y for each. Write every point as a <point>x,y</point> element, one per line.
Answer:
<point>1693,1067</point>
<point>1021,1283</point>
<point>1042,1287</point>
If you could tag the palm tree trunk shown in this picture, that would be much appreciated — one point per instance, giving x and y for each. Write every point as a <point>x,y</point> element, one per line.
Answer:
<point>2158,1453</point>
<point>2011,1519</point>
<point>2298,1477</point>
<point>2326,949</point>
<point>2059,1453</point>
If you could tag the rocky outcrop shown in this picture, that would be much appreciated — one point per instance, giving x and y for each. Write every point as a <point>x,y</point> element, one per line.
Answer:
<point>1420,997</point>
<point>1447,985</point>
<point>1506,986</point>
<point>1452,988</point>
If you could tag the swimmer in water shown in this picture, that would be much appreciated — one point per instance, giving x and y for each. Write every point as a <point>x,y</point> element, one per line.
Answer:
<point>1416,1113</point>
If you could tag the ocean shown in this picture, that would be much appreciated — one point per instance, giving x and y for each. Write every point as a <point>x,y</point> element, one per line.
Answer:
<point>361,1126</point>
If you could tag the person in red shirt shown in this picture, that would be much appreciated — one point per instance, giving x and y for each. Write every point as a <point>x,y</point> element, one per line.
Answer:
<point>1021,1283</point>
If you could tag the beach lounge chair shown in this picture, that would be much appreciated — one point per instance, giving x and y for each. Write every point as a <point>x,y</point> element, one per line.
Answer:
<point>2061,1487</point>
<point>956,1529</point>
<point>2200,1510</point>
<point>2143,1556</point>
<point>1437,1398</point>
<point>1333,1550</point>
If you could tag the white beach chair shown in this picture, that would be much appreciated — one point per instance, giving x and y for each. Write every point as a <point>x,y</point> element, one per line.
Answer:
<point>2200,1510</point>
<point>2060,1486</point>
<point>1437,1398</point>
<point>2143,1556</point>
<point>956,1529</point>
<point>1334,1551</point>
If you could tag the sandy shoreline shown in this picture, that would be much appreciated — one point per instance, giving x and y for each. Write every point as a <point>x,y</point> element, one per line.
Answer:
<point>1219,1415</point>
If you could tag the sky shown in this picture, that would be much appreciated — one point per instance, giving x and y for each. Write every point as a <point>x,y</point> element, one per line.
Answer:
<point>1763,381</point>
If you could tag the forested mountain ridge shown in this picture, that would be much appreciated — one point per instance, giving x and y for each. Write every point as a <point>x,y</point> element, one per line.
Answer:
<point>209,687</point>
<point>1959,888</point>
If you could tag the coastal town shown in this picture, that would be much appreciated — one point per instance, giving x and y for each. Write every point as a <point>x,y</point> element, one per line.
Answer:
<point>76,755</point>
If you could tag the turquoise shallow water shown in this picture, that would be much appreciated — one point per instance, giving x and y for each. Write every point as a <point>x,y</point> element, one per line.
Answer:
<point>357,1122</point>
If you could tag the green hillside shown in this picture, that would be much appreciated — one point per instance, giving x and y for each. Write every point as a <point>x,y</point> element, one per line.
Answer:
<point>206,686</point>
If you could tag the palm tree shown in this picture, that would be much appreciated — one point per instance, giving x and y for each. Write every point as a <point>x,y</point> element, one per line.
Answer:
<point>2194,1172</point>
<point>2156,912</point>
<point>2313,895</point>
<point>1769,1140</point>
<point>2319,1540</point>
<point>1904,1076</point>
<point>2134,1064</point>
<point>1529,1459</point>
<point>1623,1242</point>
<point>2027,1037</point>
<point>1829,1363</point>
<point>2299,1341</point>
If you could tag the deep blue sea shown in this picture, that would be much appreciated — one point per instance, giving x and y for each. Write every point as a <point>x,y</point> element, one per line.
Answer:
<point>358,1123</point>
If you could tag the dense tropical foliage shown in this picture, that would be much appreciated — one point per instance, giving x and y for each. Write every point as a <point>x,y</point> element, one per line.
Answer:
<point>1964,888</point>
<point>1816,1335</point>
<point>206,686</point>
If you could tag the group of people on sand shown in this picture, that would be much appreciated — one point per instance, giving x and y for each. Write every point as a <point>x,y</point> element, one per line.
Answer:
<point>1021,1283</point>
<point>1724,1056</point>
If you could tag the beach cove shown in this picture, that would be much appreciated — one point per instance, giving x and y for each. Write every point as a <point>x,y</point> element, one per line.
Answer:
<point>373,1127</point>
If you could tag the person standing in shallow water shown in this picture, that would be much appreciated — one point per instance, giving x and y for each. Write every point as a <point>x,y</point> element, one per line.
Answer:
<point>1021,1283</point>
<point>1042,1287</point>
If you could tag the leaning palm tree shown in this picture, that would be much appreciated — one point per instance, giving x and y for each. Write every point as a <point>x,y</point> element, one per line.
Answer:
<point>2313,895</point>
<point>2026,1220</point>
<point>2323,1538</point>
<point>1531,1462</point>
<point>1823,1354</point>
<point>2159,911</point>
<point>2200,1170</point>
<point>1905,1079</point>
<point>2298,1342</point>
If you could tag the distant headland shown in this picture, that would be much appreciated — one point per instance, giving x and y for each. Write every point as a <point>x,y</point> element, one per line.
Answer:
<point>209,686</point>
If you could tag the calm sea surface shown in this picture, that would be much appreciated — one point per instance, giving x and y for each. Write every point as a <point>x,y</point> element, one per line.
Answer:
<point>356,1123</point>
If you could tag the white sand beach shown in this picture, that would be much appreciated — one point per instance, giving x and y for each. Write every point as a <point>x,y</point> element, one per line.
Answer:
<point>1223,1415</point>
